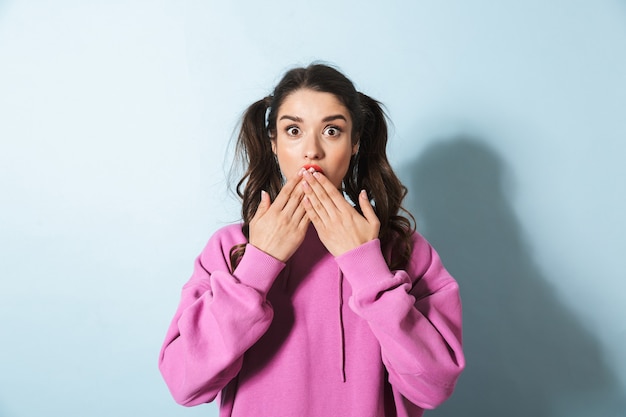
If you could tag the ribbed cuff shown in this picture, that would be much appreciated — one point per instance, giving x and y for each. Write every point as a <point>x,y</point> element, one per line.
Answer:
<point>257,269</point>
<point>364,266</point>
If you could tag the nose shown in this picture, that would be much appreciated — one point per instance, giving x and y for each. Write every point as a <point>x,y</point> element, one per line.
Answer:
<point>312,148</point>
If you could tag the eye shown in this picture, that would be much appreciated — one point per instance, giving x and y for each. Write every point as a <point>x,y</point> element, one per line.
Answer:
<point>332,131</point>
<point>293,130</point>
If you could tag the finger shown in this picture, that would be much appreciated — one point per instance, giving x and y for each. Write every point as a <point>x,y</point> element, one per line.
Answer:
<point>305,220</point>
<point>366,207</point>
<point>314,206</point>
<point>299,215</point>
<point>332,192</point>
<point>294,207</point>
<point>285,192</point>
<point>294,201</point>
<point>264,204</point>
<point>311,213</point>
<point>321,194</point>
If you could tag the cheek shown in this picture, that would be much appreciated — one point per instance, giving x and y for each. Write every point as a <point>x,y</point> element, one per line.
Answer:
<point>342,164</point>
<point>344,158</point>
<point>287,162</point>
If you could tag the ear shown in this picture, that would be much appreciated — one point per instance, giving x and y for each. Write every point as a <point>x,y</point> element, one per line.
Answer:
<point>355,148</point>
<point>273,142</point>
<point>355,145</point>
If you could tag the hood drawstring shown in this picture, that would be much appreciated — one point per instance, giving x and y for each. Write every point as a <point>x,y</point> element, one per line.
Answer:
<point>341,329</point>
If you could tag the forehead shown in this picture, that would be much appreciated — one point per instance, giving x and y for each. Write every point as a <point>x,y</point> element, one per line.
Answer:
<point>306,103</point>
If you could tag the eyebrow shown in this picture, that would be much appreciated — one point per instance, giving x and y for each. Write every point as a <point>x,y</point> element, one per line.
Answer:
<point>292,118</point>
<point>334,117</point>
<point>325,119</point>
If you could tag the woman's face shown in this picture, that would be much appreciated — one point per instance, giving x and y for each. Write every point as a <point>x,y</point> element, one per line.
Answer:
<point>314,130</point>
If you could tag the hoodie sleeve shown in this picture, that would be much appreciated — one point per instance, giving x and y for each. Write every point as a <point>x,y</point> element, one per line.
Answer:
<point>414,314</point>
<point>220,315</point>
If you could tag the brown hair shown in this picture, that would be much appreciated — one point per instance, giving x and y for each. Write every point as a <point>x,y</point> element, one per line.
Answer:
<point>369,169</point>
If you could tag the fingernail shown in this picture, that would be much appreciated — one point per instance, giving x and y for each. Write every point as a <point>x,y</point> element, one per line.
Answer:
<point>363,194</point>
<point>316,174</point>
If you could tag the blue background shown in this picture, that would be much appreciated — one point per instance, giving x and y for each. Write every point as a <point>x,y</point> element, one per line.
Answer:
<point>509,129</point>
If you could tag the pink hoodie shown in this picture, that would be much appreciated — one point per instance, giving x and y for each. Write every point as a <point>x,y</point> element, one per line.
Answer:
<point>317,336</point>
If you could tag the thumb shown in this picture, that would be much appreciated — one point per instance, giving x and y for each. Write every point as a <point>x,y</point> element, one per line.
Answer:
<point>264,205</point>
<point>366,207</point>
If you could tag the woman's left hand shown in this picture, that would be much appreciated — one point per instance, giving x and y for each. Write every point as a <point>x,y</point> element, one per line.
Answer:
<point>339,226</point>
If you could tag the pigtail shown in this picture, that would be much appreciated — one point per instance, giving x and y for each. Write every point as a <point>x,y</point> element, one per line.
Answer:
<point>370,170</point>
<point>254,153</point>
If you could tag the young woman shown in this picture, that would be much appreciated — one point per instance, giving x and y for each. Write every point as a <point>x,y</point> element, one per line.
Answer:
<point>324,301</point>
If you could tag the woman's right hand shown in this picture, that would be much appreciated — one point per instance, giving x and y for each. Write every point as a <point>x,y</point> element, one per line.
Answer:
<point>279,228</point>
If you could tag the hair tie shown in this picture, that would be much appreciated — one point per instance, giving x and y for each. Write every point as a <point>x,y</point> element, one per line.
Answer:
<point>268,109</point>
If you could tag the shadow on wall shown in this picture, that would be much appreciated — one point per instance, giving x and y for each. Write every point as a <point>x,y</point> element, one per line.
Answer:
<point>526,353</point>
